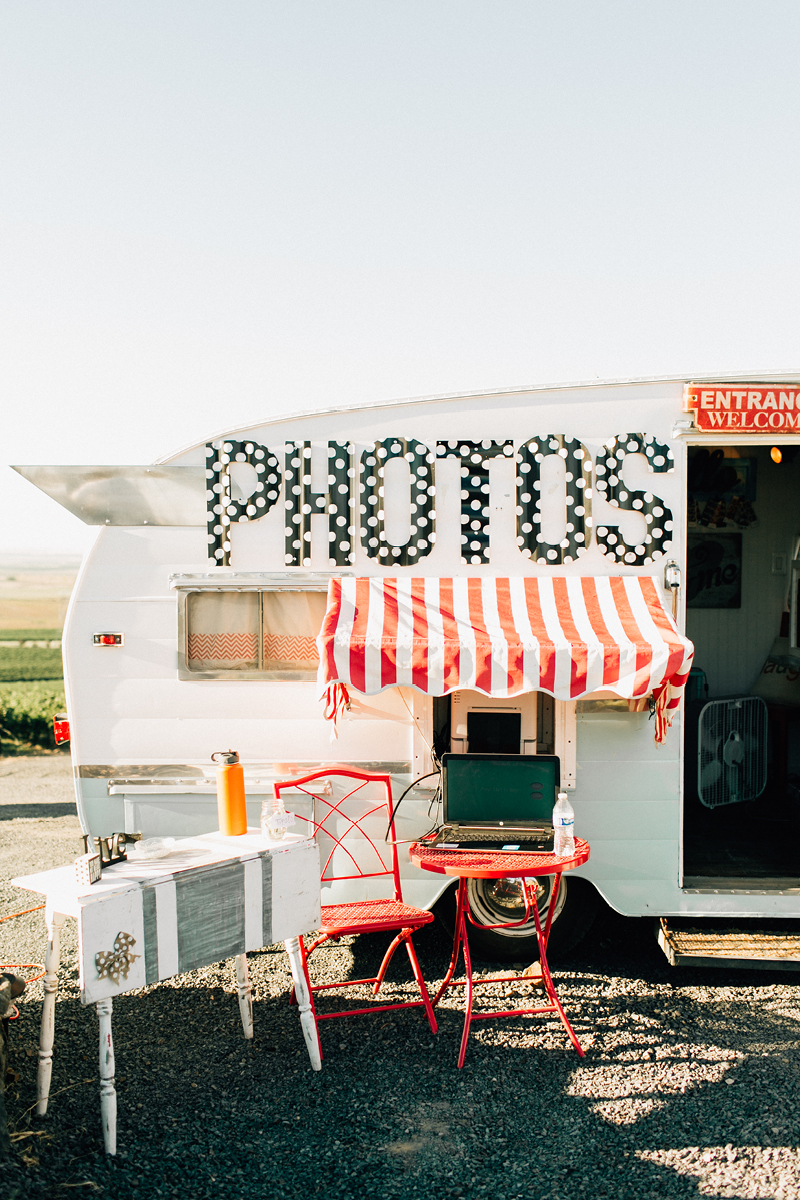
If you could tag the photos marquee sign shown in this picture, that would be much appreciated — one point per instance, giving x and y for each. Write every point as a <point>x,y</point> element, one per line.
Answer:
<point>353,499</point>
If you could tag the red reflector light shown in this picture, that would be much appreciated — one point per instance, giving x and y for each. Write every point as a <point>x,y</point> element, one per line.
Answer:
<point>61,728</point>
<point>107,639</point>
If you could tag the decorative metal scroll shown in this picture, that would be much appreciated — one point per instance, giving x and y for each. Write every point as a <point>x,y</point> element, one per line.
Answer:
<point>578,463</point>
<point>302,504</point>
<point>221,507</point>
<point>371,478</point>
<point>608,482</point>
<point>115,964</point>
<point>475,509</point>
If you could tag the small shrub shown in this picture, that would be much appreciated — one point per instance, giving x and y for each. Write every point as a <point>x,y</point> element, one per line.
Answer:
<point>26,714</point>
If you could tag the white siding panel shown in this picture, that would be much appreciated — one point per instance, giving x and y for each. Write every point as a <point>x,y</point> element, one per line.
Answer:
<point>150,649</point>
<point>639,782</point>
<point>619,735</point>
<point>642,860</point>
<point>139,562</point>
<point>169,739</point>
<point>627,821</point>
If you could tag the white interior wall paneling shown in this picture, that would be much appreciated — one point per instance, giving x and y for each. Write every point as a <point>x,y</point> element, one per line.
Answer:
<point>732,644</point>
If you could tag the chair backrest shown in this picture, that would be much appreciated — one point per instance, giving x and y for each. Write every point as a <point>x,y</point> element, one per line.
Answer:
<point>342,820</point>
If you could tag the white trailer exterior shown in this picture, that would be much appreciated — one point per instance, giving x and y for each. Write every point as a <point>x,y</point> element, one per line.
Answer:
<point>144,725</point>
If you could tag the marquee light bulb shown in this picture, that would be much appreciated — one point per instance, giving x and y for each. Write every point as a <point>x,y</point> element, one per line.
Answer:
<point>775,454</point>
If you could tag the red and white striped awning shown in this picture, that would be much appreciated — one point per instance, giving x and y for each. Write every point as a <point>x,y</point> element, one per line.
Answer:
<point>564,636</point>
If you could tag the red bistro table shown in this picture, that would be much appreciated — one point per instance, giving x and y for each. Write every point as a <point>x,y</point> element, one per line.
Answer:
<point>494,864</point>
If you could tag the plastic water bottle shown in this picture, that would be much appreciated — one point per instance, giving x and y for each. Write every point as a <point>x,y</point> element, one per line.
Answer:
<point>564,826</point>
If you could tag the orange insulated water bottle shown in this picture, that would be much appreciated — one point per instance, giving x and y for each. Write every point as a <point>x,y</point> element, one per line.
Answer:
<point>231,804</point>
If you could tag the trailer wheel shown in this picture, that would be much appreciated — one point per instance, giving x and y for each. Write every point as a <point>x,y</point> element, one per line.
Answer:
<point>495,900</point>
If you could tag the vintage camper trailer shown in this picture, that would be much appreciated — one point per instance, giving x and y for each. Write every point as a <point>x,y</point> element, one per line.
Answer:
<point>523,570</point>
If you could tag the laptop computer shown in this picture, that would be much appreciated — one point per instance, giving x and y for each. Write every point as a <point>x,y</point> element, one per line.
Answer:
<point>498,802</point>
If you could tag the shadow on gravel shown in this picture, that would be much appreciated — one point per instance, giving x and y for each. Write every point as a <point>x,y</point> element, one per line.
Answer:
<point>39,812</point>
<point>688,1087</point>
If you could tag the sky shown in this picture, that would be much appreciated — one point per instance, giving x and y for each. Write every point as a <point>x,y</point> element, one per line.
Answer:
<point>214,213</point>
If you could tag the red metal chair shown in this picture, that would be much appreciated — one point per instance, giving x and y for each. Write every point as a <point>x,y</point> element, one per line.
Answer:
<point>351,842</point>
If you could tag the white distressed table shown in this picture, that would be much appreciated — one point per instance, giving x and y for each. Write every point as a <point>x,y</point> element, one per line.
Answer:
<point>213,898</point>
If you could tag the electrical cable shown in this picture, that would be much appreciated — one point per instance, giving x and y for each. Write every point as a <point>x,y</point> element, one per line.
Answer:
<point>400,801</point>
<point>23,966</point>
<point>418,727</point>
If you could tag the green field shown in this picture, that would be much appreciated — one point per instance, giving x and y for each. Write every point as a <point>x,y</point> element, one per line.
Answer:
<point>29,662</point>
<point>31,691</point>
<point>27,709</point>
<point>30,635</point>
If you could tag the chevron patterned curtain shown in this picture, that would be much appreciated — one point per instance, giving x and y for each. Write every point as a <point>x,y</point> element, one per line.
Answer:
<point>292,621</point>
<point>223,631</point>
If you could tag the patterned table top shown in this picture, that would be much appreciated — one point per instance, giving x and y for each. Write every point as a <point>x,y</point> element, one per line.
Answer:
<point>494,864</point>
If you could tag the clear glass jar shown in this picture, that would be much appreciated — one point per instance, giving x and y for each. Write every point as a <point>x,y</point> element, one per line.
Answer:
<point>273,830</point>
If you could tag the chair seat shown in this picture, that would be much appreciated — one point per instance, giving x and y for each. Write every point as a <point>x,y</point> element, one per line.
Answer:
<point>366,915</point>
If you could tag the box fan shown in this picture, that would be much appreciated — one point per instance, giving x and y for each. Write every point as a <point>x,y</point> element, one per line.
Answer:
<point>731,751</point>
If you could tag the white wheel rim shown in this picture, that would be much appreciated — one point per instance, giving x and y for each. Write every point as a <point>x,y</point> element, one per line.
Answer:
<point>496,900</point>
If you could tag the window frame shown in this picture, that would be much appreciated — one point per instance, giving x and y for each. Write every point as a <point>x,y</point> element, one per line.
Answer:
<point>187,585</point>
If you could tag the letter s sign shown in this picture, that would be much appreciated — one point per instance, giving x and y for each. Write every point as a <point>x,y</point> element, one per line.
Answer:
<point>609,485</point>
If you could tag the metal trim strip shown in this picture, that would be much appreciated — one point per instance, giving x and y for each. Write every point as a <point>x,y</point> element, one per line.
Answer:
<point>192,773</point>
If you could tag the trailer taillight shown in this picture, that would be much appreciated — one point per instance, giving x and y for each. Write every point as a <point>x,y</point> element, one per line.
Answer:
<point>61,728</point>
<point>107,639</point>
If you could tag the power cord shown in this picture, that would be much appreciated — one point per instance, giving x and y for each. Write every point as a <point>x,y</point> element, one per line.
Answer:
<point>13,1013</point>
<point>413,784</point>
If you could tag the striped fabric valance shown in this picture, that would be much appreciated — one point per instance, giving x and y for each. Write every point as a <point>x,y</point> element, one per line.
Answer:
<point>565,636</point>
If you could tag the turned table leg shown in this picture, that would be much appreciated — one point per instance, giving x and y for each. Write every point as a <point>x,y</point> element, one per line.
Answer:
<point>245,994</point>
<point>55,922</point>
<point>108,1093</point>
<point>303,995</point>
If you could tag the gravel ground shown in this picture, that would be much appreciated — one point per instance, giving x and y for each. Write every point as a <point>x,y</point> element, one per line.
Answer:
<point>688,1088</point>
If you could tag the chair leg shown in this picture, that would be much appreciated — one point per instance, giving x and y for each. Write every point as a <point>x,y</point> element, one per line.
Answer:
<point>387,958</point>
<point>426,1000</point>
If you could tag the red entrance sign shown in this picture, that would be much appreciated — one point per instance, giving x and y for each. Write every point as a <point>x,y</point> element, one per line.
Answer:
<point>748,407</point>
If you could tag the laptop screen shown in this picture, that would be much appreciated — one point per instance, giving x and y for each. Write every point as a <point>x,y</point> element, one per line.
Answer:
<point>489,788</point>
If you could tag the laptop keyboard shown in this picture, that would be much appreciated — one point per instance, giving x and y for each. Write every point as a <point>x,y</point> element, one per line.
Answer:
<point>494,837</point>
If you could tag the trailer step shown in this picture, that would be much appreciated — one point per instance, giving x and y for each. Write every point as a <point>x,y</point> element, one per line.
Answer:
<point>710,944</point>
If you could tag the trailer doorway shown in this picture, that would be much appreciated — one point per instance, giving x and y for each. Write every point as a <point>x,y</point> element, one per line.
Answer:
<point>741,809</point>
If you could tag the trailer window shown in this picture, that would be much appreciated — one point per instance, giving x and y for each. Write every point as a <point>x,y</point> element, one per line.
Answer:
<point>252,634</point>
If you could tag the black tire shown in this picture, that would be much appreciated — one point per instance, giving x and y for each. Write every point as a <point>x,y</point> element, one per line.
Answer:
<point>577,906</point>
